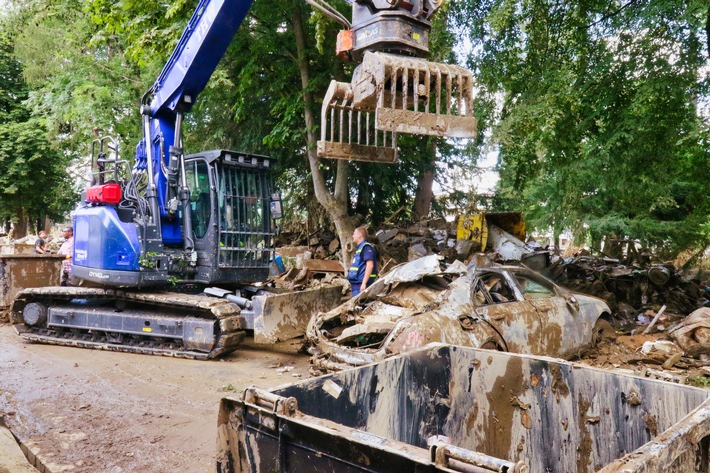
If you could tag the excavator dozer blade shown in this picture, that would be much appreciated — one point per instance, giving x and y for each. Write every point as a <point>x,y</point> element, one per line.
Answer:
<point>284,316</point>
<point>391,94</point>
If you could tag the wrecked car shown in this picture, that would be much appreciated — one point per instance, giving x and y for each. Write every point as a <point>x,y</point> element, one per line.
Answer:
<point>482,305</point>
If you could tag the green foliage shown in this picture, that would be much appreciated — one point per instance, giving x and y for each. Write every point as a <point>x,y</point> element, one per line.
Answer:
<point>600,129</point>
<point>595,107</point>
<point>88,62</point>
<point>80,78</point>
<point>33,180</point>
<point>700,381</point>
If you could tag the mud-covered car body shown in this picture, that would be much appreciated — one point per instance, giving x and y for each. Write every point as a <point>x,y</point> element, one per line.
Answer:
<point>507,308</point>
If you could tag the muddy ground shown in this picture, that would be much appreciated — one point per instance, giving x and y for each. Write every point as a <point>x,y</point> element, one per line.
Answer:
<point>95,411</point>
<point>88,411</point>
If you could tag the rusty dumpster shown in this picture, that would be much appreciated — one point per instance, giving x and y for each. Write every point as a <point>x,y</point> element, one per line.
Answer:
<point>445,408</point>
<point>20,271</point>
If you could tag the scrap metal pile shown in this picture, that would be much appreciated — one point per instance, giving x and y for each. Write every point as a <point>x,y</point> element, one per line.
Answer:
<point>630,289</point>
<point>635,288</point>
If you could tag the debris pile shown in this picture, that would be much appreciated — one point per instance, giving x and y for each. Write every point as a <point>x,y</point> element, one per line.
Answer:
<point>635,289</point>
<point>631,290</point>
<point>394,244</point>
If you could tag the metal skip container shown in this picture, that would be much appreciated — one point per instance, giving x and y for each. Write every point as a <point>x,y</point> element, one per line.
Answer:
<point>20,271</point>
<point>451,409</point>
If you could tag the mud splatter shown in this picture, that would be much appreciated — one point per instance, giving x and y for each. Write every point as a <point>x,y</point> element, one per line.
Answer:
<point>534,380</point>
<point>525,418</point>
<point>633,399</point>
<point>558,386</point>
<point>584,450</point>
<point>499,426</point>
<point>471,418</point>
<point>651,424</point>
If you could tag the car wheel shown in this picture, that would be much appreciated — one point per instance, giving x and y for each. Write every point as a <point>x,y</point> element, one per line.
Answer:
<point>602,330</point>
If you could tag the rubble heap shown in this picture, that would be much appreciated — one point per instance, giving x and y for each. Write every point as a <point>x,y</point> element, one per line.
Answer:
<point>630,289</point>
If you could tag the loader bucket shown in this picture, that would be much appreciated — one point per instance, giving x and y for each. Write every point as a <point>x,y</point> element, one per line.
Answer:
<point>281,317</point>
<point>392,94</point>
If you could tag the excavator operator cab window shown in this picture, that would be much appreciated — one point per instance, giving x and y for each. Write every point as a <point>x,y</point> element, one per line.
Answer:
<point>198,181</point>
<point>244,197</point>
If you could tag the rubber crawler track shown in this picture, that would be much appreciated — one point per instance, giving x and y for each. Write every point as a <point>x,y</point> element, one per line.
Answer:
<point>229,336</point>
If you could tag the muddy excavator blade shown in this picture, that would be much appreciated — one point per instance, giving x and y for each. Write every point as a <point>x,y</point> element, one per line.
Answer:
<point>284,316</point>
<point>392,94</point>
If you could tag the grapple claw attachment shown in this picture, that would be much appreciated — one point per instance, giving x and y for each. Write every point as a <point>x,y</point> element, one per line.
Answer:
<point>392,94</point>
<point>416,96</point>
<point>348,132</point>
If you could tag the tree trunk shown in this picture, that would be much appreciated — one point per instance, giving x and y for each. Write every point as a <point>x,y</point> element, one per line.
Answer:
<point>20,230</point>
<point>425,183</point>
<point>336,203</point>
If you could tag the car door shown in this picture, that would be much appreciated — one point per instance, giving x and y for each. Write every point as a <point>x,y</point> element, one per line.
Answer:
<point>497,301</point>
<point>558,311</point>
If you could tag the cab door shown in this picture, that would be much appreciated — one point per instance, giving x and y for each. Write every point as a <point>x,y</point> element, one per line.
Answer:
<point>496,300</point>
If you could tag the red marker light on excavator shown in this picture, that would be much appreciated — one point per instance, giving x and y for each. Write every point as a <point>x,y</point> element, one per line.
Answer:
<point>104,194</point>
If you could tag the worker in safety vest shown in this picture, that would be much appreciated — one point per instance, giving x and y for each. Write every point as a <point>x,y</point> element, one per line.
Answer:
<point>363,269</point>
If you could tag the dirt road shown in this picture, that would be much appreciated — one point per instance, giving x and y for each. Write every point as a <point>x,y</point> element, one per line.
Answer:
<point>93,411</point>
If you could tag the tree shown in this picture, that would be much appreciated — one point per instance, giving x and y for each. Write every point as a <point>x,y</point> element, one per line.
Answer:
<point>33,180</point>
<point>599,129</point>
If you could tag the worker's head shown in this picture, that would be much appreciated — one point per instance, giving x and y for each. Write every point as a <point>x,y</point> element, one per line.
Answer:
<point>42,234</point>
<point>359,235</point>
<point>68,231</point>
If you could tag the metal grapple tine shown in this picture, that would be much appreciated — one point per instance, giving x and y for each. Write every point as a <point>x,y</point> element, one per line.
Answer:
<point>389,86</point>
<point>399,77</point>
<point>337,138</point>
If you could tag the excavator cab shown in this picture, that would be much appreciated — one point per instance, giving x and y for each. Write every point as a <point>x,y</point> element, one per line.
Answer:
<point>231,197</point>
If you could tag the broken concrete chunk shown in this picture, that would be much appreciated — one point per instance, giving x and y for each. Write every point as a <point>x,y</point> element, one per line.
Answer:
<point>664,348</point>
<point>11,457</point>
<point>334,245</point>
<point>417,251</point>
<point>439,235</point>
<point>306,255</point>
<point>464,248</point>
<point>386,235</point>
<point>693,332</point>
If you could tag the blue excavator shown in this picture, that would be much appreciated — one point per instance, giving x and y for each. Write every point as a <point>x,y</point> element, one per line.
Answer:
<point>153,238</point>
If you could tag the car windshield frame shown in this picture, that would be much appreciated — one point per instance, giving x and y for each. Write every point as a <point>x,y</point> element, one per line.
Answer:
<point>505,278</point>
